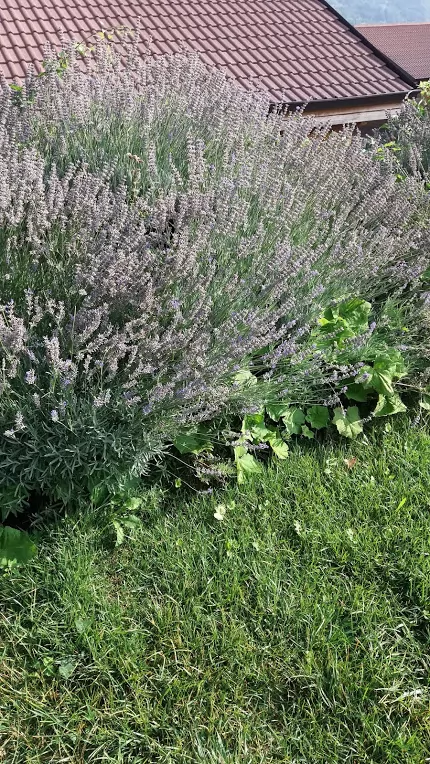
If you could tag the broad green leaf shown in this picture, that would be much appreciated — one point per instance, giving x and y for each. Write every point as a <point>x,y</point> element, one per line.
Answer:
<point>277,410</point>
<point>133,503</point>
<point>379,379</point>
<point>348,319</point>
<point>387,366</point>
<point>307,433</point>
<point>239,451</point>
<point>387,406</point>
<point>246,464</point>
<point>425,402</point>
<point>382,382</point>
<point>357,392</point>
<point>390,362</point>
<point>254,426</point>
<point>66,668</point>
<point>293,421</point>
<point>279,447</point>
<point>119,530</point>
<point>16,547</point>
<point>132,522</point>
<point>81,624</point>
<point>356,313</point>
<point>245,377</point>
<point>192,443</point>
<point>318,417</point>
<point>338,327</point>
<point>330,316</point>
<point>348,422</point>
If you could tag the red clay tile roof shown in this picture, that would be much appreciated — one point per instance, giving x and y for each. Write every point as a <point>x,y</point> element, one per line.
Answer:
<point>406,44</point>
<point>297,50</point>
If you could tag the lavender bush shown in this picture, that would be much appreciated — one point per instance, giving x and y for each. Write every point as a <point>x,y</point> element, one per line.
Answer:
<point>159,236</point>
<point>408,133</point>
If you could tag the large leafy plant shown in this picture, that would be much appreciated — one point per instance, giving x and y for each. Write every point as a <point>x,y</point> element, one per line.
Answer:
<point>344,329</point>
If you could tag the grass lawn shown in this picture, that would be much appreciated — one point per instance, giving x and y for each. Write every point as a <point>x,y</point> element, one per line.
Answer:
<point>295,630</point>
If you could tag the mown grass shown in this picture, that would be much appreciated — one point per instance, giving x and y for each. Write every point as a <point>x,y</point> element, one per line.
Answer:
<point>295,630</point>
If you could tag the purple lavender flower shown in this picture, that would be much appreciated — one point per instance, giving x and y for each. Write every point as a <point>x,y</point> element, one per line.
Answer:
<point>19,422</point>
<point>30,377</point>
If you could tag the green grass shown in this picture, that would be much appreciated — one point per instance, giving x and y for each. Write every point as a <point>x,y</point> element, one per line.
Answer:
<point>296,630</point>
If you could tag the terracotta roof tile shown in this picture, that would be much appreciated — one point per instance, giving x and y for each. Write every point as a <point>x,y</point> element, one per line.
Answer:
<point>297,50</point>
<point>406,44</point>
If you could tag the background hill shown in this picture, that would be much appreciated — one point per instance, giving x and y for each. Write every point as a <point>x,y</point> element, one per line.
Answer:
<point>380,11</point>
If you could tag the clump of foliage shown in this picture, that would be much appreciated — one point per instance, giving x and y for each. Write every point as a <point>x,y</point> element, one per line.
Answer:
<point>368,381</point>
<point>408,133</point>
<point>167,250</point>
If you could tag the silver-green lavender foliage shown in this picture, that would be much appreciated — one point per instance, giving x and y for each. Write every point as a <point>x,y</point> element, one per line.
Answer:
<point>410,132</point>
<point>157,231</point>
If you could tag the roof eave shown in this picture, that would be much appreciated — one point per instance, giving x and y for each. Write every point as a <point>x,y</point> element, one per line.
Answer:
<point>359,101</point>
